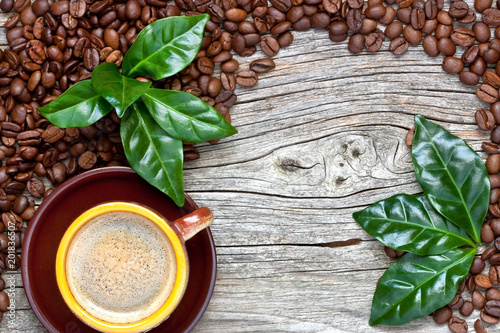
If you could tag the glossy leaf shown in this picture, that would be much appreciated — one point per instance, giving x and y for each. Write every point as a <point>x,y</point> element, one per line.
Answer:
<point>415,286</point>
<point>409,223</point>
<point>165,47</point>
<point>152,153</point>
<point>120,91</point>
<point>452,176</point>
<point>79,106</point>
<point>185,116</point>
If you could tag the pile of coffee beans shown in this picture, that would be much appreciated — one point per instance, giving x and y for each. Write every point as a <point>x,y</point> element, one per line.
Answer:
<point>54,44</point>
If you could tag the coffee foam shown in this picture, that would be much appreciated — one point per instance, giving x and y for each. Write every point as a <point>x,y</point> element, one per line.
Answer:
<point>120,267</point>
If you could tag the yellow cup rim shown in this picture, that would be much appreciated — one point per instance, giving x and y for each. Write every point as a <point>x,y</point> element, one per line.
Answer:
<point>172,301</point>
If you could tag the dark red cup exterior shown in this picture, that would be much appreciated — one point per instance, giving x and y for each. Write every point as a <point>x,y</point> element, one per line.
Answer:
<point>65,204</point>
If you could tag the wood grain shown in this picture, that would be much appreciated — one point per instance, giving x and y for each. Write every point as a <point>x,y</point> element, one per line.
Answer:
<point>321,136</point>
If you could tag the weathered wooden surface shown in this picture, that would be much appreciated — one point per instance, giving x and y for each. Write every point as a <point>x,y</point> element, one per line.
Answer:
<point>319,137</point>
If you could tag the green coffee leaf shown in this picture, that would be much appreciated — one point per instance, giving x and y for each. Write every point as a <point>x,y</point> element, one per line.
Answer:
<point>165,47</point>
<point>409,223</point>
<point>415,286</point>
<point>152,153</point>
<point>120,91</point>
<point>185,116</point>
<point>452,176</point>
<point>79,106</point>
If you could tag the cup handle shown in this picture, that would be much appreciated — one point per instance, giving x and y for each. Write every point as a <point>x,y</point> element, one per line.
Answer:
<point>194,222</point>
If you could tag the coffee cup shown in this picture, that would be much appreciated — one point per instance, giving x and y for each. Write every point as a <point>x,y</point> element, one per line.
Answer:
<point>122,267</point>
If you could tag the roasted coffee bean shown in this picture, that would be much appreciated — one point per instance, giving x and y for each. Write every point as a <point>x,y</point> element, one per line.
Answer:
<point>478,300</point>
<point>414,37</point>
<point>470,55</point>
<point>417,18</point>
<point>214,87</point>
<point>6,5</point>
<point>495,223</point>
<point>492,79</point>
<point>404,3</point>
<point>404,15</point>
<point>236,14</point>
<point>59,7</point>
<point>320,20</point>
<point>59,172</point>
<point>491,17</point>
<point>27,152</point>
<point>53,134</point>
<point>467,308</point>
<point>463,36</point>
<point>373,42</point>
<point>442,315</point>
<point>280,28</point>
<point>494,196</point>
<point>269,46</point>
<point>477,266</point>
<point>494,259</point>
<point>479,327</point>
<point>282,5</point>
<point>20,204</point>
<point>246,78</point>
<point>50,157</point>
<point>491,56</point>
<point>456,302</point>
<point>399,46</point>
<point>458,9</point>
<point>205,65</point>
<point>394,30</point>
<point>468,78</point>
<point>481,5</point>
<point>487,235</point>
<point>452,65</point>
<point>488,318</point>
<point>296,13</point>
<point>430,45</point>
<point>493,163</point>
<point>9,129</point>
<point>495,135</point>
<point>332,6</point>
<point>492,308</point>
<point>91,59</point>
<point>17,86</point>
<point>29,138</point>
<point>77,8</point>
<point>492,294</point>
<point>443,31</point>
<point>457,325</point>
<point>409,137</point>
<point>356,43</point>
<point>488,253</point>
<point>487,93</point>
<point>228,81</point>
<point>230,66</point>
<point>482,281</point>
<point>262,65</point>
<point>4,301</point>
<point>482,32</point>
<point>36,187</point>
<point>354,20</point>
<point>391,253</point>
<point>87,160</point>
